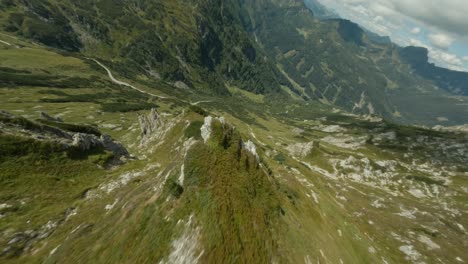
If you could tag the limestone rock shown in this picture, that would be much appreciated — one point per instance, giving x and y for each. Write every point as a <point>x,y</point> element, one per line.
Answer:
<point>150,123</point>
<point>300,149</point>
<point>111,145</point>
<point>86,141</point>
<point>47,117</point>
<point>181,85</point>
<point>206,128</point>
<point>250,147</point>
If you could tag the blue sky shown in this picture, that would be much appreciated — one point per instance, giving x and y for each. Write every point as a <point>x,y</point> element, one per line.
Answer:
<point>439,25</point>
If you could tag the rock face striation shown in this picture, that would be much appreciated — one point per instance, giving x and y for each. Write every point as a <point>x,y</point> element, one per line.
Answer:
<point>88,141</point>
<point>205,130</point>
<point>150,123</point>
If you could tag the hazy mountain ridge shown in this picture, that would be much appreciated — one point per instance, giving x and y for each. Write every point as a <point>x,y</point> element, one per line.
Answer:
<point>336,62</point>
<point>320,11</point>
<point>453,81</point>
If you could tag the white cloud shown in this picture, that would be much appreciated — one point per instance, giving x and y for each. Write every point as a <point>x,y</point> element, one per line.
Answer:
<point>416,30</point>
<point>382,9</point>
<point>465,58</point>
<point>440,40</point>
<point>448,60</point>
<point>447,15</point>
<point>441,57</point>
<point>417,43</point>
<point>437,25</point>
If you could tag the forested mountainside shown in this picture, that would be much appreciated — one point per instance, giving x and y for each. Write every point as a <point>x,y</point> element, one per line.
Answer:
<point>204,131</point>
<point>265,47</point>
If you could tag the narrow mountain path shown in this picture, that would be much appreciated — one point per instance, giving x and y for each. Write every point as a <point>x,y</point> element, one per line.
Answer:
<point>200,102</point>
<point>119,82</point>
<point>6,43</point>
<point>116,81</point>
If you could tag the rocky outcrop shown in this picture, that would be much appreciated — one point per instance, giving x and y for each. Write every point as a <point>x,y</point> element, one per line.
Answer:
<point>85,141</point>
<point>18,126</point>
<point>181,85</point>
<point>250,147</point>
<point>47,117</point>
<point>205,130</point>
<point>150,123</point>
<point>113,146</point>
<point>300,149</point>
<point>455,129</point>
<point>5,114</point>
<point>154,129</point>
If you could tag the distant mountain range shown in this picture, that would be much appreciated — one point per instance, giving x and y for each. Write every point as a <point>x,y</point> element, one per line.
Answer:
<point>320,11</point>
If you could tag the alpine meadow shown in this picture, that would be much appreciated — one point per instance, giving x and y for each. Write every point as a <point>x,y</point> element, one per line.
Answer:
<point>226,131</point>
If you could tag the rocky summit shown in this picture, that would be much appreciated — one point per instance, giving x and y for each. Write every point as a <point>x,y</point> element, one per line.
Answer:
<point>202,131</point>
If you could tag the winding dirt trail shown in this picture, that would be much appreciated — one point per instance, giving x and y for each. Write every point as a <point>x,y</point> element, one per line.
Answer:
<point>116,81</point>
<point>6,43</point>
<point>119,82</point>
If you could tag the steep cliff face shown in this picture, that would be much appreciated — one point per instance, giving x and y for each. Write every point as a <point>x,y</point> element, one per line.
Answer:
<point>338,63</point>
<point>198,43</point>
<point>451,81</point>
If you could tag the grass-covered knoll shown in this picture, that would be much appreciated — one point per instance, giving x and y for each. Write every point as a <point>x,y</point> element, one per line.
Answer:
<point>193,130</point>
<point>242,211</point>
<point>228,182</point>
<point>41,180</point>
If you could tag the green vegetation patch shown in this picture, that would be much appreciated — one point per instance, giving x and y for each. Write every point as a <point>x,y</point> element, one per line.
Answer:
<point>193,130</point>
<point>11,78</point>
<point>127,107</point>
<point>86,129</point>
<point>198,110</point>
<point>15,146</point>
<point>427,180</point>
<point>227,181</point>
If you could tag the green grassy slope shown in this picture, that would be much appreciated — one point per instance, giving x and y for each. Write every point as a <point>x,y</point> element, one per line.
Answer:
<point>287,206</point>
